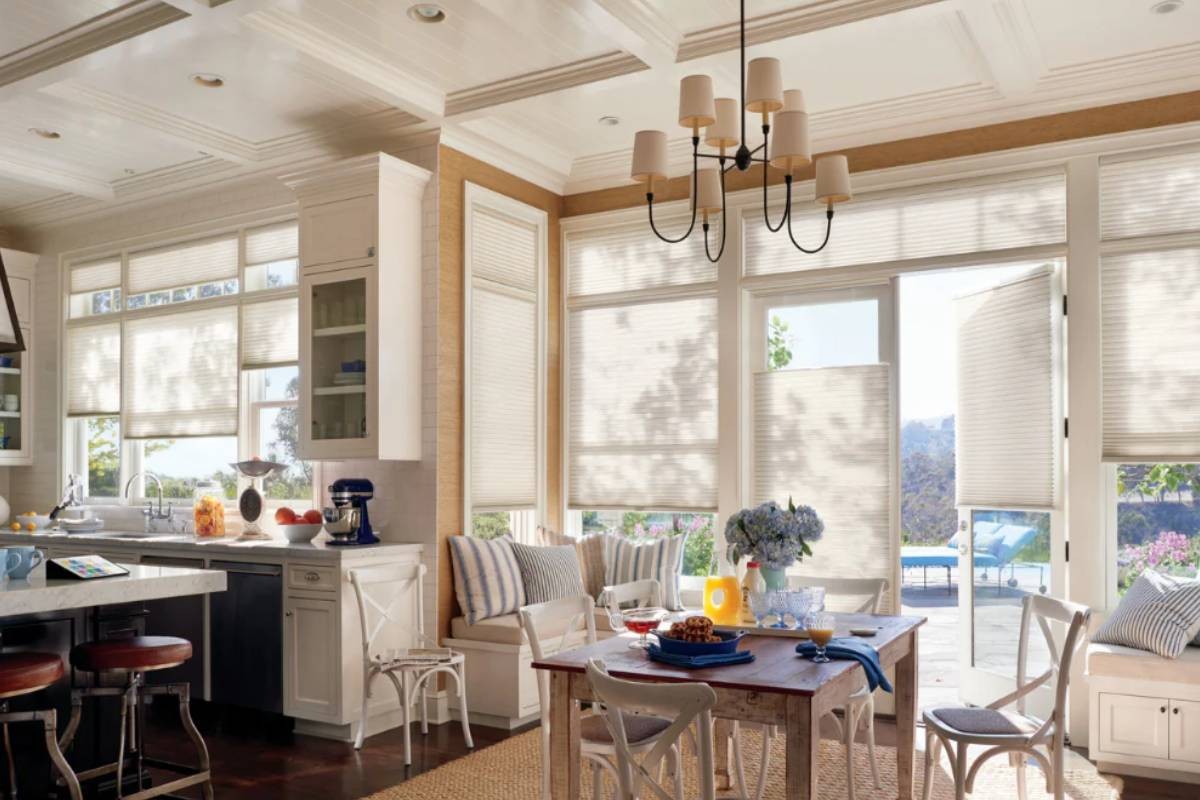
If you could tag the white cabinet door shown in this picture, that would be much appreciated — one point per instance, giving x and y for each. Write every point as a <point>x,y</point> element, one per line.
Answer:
<point>343,230</point>
<point>310,659</point>
<point>22,294</point>
<point>1185,730</point>
<point>1133,726</point>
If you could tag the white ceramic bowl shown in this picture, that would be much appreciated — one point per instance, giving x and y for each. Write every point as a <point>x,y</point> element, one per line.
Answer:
<point>300,531</point>
<point>40,520</point>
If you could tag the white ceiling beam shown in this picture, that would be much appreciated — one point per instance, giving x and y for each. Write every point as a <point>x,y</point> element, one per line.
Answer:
<point>635,26</point>
<point>999,41</point>
<point>18,167</point>
<point>362,71</point>
<point>193,134</point>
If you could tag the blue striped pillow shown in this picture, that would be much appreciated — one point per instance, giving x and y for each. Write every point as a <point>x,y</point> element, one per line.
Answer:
<point>1159,613</point>
<point>626,560</point>
<point>487,578</point>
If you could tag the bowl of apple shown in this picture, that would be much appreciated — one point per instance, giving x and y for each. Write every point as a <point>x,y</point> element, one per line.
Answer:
<point>299,528</point>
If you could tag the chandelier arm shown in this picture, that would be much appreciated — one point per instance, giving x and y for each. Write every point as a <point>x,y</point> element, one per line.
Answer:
<point>695,180</point>
<point>787,207</point>
<point>828,229</point>
<point>721,249</point>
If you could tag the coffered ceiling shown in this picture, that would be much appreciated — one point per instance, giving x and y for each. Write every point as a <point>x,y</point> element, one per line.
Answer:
<point>521,82</point>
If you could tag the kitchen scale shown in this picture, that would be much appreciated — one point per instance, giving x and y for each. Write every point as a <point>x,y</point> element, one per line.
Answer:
<point>250,504</point>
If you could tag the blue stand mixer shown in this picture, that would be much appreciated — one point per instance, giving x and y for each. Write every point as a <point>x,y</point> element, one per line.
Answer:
<point>347,522</point>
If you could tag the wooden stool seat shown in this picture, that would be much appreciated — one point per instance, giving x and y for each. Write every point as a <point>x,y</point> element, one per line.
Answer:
<point>134,654</point>
<point>23,673</point>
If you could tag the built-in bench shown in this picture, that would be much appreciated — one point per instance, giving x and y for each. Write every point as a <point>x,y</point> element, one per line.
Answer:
<point>1144,712</point>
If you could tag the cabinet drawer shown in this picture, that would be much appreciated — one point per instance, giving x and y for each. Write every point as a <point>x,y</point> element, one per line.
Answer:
<point>1185,731</point>
<point>1133,726</point>
<point>321,579</point>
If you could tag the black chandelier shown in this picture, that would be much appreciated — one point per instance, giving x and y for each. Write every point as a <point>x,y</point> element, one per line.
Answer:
<point>761,94</point>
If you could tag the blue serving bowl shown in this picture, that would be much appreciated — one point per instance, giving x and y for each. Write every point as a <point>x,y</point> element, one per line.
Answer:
<point>728,644</point>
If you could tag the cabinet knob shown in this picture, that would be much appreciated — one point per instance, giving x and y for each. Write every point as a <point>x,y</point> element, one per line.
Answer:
<point>1175,710</point>
<point>312,577</point>
<point>371,252</point>
<point>1162,709</point>
<point>287,613</point>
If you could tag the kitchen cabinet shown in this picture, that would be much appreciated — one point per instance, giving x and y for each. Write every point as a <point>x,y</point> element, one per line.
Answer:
<point>1133,726</point>
<point>1184,734</point>
<point>310,683</point>
<point>360,310</point>
<point>16,379</point>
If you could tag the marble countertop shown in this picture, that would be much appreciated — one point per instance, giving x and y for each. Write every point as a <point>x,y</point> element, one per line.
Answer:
<point>138,542</point>
<point>36,594</point>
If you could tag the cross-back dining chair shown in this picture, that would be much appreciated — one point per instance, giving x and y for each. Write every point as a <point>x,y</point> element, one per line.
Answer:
<point>639,594</point>
<point>563,619</point>
<point>682,704</point>
<point>384,607</point>
<point>865,596</point>
<point>1012,731</point>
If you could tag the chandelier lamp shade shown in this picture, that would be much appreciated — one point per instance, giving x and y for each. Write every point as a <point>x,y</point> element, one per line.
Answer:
<point>786,146</point>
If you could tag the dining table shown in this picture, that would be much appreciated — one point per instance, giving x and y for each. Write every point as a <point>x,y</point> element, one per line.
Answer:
<point>779,687</point>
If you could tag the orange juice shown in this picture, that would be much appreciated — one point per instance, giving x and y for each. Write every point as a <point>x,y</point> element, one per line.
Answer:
<point>723,599</point>
<point>820,636</point>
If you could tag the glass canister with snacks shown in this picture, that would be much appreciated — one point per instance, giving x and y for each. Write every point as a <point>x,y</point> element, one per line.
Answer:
<point>208,509</point>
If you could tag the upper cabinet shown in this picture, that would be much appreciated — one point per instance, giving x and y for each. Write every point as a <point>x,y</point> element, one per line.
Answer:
<point>360,308</point>
<point>16,369</point>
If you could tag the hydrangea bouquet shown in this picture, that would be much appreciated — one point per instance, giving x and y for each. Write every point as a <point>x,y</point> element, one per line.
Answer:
<point>773,536</point>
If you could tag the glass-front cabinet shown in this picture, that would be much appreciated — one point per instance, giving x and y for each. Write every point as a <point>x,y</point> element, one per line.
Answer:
<point>16,369</point>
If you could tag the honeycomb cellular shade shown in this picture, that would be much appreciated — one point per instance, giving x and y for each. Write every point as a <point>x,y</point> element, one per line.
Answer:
<point>94,276</point>
<point>94,370</point>
<point>277,242</point>
<point>187,264</point>
<point>1009,433</point>
<point>270,333</point>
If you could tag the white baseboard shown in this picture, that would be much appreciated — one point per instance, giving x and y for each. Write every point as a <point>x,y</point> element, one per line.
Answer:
<point>1158,773</point>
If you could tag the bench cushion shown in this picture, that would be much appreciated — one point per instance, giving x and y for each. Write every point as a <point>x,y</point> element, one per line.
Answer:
<point>507,629</point>
<point>1115,661</point>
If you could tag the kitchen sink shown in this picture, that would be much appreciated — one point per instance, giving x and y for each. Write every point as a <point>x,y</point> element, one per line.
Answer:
<point>126,535</point>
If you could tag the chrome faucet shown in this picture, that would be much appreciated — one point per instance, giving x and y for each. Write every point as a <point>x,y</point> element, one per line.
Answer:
<point>149,514</point>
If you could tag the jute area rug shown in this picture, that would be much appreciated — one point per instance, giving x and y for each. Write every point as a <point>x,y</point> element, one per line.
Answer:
<point>510,770</point>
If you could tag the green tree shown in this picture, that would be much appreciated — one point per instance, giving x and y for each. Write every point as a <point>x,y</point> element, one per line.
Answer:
<point>779,341</point>
<point>296,480</point>
<point>491,525</point>
<point>104,457</point>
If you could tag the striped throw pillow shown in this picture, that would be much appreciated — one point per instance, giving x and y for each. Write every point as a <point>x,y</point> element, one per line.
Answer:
<point>487,578</point>
<point>1158,613</point>
<point>589,550</point>
<point>548,572</point>
<point>626,560</point>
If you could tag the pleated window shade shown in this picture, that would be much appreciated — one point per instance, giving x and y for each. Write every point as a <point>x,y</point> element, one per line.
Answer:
<point>92,276</point>
<point>823,437</point>
<point>190,264</point>
<point>504,249</point>
<point>94,370</point>
<point>277,242</point>
<point>271,333</point>
<point>643,405</point>
<point>181,374</point>
<point>1151,369</point>
<point>922,223</point>
<point>628,257</point>
<point>1008,429</point>
<point>1149,196</point>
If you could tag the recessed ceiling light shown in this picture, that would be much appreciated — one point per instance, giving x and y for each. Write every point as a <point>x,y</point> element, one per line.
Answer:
<point>45,133</point>
<point>208,80</point>
<point>609,120</point>
<point>1166,6</point>
<point>427,12</point>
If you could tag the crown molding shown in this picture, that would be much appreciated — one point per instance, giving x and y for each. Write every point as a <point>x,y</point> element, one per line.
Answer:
<point>513,162</point>
<point>98,33</point>
<point>17,165</point>
<point>194,134</point>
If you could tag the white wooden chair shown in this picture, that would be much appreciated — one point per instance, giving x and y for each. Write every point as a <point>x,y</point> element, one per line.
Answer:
<point>645,593</point>
<point>860,706</point>
<point>542,622</point>
<point>1014,732</point>
<point>387,614</point>
<point>684,704</point>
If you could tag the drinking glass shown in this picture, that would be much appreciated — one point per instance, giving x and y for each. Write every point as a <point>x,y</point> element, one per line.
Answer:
<point>779,607</point>
<point>760,606</point>
<point>820,630</point>
<point>641,621</point>
<point>799,604</point>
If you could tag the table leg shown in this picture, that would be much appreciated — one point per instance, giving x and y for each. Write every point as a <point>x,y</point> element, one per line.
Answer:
<point>564,738</point>
<point>722,731</point>
<point>906,718</point>
<point>803,742</point>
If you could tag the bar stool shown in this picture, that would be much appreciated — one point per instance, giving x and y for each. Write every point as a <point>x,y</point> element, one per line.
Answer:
<point>26,673</point>
<point>135,656</point>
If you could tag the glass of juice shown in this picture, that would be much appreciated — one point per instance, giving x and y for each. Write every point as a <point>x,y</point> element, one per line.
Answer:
<point>642,621</point>
<point>820,631</point>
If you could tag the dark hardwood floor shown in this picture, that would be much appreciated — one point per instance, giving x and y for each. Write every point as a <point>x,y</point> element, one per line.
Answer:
<point>255,759</point>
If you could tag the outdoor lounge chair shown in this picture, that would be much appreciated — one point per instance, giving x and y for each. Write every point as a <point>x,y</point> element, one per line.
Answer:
<point>996,545</point>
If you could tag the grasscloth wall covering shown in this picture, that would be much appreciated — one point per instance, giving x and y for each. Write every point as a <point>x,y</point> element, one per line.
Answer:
<point>454,170</point>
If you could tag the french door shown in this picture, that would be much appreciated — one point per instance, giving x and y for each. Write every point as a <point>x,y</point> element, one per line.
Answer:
<point>1011,538</point>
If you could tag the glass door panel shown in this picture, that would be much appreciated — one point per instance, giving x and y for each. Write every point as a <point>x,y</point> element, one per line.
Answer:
<point>12,401</point>
<point>338,365</point>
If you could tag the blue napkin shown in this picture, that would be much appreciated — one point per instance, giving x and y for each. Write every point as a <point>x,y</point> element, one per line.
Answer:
<point>853,650</point>
<point>697,662</point>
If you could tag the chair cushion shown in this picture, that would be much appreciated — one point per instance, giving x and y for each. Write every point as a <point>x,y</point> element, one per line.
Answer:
<point>548,573</point>
<point>1159,613</point>
<point>487,579</point>
<point>638,728</point>
<point>135,653</point>
<point>22,673</point>
<point>983,721</point>
<point>626,560</point>
<point>1115,661</point>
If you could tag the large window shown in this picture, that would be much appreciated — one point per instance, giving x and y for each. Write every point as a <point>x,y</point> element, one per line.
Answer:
<point>1157,521</point>
<point>185,393</point>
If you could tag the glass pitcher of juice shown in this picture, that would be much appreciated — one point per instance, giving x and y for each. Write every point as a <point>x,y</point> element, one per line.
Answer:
<point>723,599</point>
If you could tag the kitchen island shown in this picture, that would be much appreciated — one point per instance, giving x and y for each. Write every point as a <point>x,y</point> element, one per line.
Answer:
<point>38,594</point>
